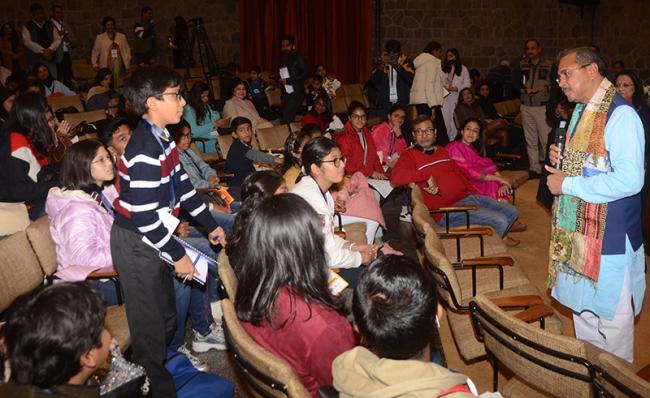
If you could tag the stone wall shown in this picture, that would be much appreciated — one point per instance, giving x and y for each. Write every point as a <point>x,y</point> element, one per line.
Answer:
<point>484,31</point>
<point>221,21</point>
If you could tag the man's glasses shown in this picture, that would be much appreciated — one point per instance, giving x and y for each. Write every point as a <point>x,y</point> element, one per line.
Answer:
<point>428,131</point>
<point>337,161</point>
<point>566,73</point>
<point>358,117</point>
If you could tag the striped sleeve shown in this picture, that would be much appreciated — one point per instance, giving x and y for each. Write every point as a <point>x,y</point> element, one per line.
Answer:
<point>191,201</point>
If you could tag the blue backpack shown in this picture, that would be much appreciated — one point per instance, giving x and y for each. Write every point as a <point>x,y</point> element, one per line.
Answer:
<point>190,383</point>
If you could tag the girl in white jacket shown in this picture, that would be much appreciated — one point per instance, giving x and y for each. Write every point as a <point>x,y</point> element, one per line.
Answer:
<point>325,166</point>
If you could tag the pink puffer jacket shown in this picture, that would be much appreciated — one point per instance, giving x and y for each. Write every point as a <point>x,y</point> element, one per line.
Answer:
<point>81,230</point>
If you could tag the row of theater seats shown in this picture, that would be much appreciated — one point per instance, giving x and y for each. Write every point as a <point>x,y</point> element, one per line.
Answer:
<point>496,313</point>
<point>29,260</point>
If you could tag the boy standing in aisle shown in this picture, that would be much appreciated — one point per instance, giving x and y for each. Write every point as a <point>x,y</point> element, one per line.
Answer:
<point>153,187</point>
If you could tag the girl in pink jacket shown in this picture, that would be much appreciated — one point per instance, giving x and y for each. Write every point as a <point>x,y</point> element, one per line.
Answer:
<point>80,219</point>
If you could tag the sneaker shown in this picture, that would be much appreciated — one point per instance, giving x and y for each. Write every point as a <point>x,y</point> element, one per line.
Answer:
<point>196,362</point>
<point>215,339</point>
<point>406,217</point>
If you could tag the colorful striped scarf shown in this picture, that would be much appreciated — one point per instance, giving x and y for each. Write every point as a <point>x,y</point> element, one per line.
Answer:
<point>578,226</point>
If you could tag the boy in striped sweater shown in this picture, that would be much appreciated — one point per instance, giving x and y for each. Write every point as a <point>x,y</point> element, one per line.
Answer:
<point>153,188</point>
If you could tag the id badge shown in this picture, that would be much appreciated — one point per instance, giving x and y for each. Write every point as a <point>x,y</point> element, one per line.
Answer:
<point>113,53</point>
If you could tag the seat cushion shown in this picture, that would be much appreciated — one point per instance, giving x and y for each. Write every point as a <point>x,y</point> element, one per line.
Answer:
<point>117,324</point>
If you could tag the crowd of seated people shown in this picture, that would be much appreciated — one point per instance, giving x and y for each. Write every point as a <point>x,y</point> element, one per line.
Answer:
<point>90,189</point>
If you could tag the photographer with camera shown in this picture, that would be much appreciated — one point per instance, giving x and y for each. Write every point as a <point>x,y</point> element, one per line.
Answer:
<point>392,77</point>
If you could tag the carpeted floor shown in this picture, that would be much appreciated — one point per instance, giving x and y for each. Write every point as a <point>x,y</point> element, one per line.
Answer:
<point>531,255</point>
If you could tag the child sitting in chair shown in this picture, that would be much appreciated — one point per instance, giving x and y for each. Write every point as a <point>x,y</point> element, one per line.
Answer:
<point>55,340</point>
<point>394,306</point>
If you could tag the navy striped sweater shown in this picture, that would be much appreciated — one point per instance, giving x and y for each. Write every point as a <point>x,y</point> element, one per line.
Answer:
<point>145,171</point>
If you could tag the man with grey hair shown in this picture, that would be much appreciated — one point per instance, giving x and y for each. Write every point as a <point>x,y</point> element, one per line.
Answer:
<point>596,259</point>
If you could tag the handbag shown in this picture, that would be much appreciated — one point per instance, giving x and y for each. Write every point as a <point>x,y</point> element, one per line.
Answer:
<point>124,379</point>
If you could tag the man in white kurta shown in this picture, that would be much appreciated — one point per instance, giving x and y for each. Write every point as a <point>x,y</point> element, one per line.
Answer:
<point>606,303</point>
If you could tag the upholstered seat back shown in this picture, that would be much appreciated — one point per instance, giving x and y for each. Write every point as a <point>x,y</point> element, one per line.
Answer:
<point>510,340</point>
<point>39,236</point>
<point>20,271</point>
<point>262,370</point>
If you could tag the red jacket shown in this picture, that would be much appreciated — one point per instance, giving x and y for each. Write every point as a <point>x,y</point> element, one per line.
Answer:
<point>416,166</point>
<point>353,151</point>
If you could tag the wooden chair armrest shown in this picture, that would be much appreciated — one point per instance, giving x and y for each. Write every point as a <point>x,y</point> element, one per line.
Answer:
<point>454,208</point>
<point>103,274</point>
<point>644,373</point>
<point>534,306</point>
<point>487,231</point>
<point>489,261</point>
<point>534,313</point>
<point>518,301</point>
<point>224,174</point>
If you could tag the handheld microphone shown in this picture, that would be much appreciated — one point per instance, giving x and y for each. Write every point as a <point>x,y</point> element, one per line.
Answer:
<point>560,137</point>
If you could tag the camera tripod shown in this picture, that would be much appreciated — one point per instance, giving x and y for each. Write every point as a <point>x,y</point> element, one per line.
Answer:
<point>207,59</point>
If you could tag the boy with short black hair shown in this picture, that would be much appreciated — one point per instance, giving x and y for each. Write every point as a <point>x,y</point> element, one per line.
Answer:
<point>115,135</point>
<point>394,306</point>
<point>153,187</point>
<point>55,340</point>
<point>316,90</point>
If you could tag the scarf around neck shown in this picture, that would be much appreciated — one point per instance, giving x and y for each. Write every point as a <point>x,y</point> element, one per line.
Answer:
<point>578,227</point>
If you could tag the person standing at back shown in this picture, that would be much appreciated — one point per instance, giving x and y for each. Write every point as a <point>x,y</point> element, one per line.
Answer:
<point>63,60</point>
<point>293,72</point>
<point>533,78</point>
<point>427,92</point>
<point>144,47</point>
<point>40,39</point>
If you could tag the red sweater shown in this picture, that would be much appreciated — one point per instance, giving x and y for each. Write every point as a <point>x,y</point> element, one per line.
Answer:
<point>308,343</point>
<point>311,119</point>
<point>353,151</point>
<point>416,166</point>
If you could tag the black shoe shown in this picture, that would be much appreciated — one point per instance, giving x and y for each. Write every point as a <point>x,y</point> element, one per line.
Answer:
<point>533,175</point>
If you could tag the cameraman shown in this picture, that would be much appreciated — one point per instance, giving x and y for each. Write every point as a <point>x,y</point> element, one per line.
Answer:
<point>392,78</point>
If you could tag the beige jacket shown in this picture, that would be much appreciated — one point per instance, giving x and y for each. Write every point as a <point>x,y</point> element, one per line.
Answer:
<point>99,56</point>
<point>359,373</point>
<point>427,85</point>
<point>234,108</point>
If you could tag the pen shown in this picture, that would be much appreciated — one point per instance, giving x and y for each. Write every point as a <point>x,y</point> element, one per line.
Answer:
<point>185,279</point>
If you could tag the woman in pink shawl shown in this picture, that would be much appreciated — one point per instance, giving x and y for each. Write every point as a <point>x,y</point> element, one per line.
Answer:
<point>479,170</point>
<point>240,105</point>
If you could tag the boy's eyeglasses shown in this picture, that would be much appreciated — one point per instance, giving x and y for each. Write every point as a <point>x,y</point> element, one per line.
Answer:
<point>337,161</point>
<point>178,95</point>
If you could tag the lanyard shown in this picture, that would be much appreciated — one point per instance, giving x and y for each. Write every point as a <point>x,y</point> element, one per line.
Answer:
<point>392,142</point>
<point>172,188</point>
<point>364,145</point>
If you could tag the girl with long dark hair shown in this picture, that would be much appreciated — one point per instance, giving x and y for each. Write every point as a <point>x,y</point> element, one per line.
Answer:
<point>282,295</point>
<point>324,165</point>
<point>25,169</point>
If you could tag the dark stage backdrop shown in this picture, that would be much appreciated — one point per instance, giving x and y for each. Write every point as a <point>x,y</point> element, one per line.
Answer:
<point>336,33</point>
